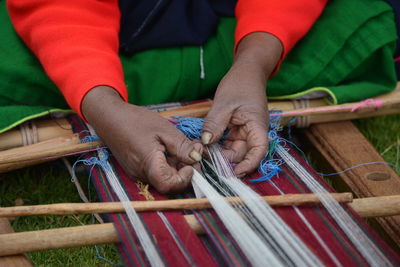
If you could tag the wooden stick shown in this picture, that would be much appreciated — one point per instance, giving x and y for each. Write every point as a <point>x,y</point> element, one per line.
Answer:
<point>48,149</point>
<point>44,151</point>
<point>15,260</point>
<point>377,206</point>
<point>318,109</point>
<point>68,237</point>
<point>158,205</point>
<point>23,242</point>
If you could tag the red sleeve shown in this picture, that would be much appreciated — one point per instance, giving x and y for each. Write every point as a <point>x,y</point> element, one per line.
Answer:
<point>75,40</point>
<point>288,20</point>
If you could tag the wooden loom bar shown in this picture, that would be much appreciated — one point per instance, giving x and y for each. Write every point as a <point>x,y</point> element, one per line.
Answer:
<point>49,129</point>
<point>342,145</point>
<point>372,206</point>
<point>158,205</point>
<point>48,150</point>
<point>45,130</point>
<point>13,260</point>
<point>68,237</point>
<point>24,242</point>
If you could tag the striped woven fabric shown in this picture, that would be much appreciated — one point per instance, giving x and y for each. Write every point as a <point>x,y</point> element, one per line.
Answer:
<point>180,246</point>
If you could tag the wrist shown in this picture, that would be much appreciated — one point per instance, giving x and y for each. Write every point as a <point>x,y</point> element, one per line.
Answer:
<point>98,100</point>
<point>259,50</point>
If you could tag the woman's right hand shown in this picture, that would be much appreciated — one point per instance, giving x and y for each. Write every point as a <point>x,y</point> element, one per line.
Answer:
<point>147,146</point>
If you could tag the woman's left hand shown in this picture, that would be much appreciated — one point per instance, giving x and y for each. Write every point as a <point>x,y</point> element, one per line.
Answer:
<point>240,102</point>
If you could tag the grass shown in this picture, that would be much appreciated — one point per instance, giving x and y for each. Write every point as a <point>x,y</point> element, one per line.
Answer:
<point>384,133</point>
<point>45,184</point>
<point>50,183</point>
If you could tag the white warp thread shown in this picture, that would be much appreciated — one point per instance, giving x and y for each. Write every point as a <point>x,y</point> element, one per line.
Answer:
<point>146,242</point>
<point>256,251</point>
<point>312,230</point>
<point>356,235</point>
<point>297,253</point>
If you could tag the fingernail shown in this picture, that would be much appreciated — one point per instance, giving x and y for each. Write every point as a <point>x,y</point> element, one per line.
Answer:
<point>195,155</point>
<point>206,137</point>
<point>180,179</point>
<point>241,175</point>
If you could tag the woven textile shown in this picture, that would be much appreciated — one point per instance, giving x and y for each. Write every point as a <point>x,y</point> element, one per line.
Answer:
<point>217,247</point>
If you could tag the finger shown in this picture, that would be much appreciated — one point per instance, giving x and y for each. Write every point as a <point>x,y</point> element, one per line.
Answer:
<point>237,133</point>
<point>257,145</point>
<point>215,124</point>
<point>235,151</point>
<point>181,147</point>
<point>165,178</point>
<point>250,161</point>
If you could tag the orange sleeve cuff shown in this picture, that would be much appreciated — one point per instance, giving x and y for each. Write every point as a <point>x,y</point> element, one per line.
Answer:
<point>287,20</point>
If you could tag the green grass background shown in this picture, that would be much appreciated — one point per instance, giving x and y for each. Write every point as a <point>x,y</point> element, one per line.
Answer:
<point>50,183</point>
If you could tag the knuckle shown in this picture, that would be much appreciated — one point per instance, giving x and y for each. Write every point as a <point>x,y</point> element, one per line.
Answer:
<point>183,151</point>
<point>183,147</point>
<point>210,125</point>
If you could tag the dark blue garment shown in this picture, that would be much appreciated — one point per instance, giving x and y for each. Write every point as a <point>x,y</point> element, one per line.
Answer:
<point>396,8</point>
<point>147,24</point>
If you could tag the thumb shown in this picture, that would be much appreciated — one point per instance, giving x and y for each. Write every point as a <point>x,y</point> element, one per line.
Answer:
<point>215,124</point>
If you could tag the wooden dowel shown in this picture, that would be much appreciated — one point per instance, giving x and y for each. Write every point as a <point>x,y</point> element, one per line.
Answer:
<point>158,205</point>
<point>49,149</point>
<point>377,206</point>
<point>24,242</point>
<point>68,237</point>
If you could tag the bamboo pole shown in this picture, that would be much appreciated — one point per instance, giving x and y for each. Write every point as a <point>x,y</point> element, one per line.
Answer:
<point>24,242</point>
<point>45,130</point>
<point>159,205</point>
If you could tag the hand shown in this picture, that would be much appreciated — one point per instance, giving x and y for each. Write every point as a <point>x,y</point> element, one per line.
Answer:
<point>240,103</point>
<point>147,146</point>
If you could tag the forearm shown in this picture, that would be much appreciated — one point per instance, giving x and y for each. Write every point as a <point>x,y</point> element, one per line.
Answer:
<point>259,52</point>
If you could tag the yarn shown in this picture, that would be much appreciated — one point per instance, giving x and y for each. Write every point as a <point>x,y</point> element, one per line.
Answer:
<point>262,218</point>
<point>192,128</point>
<point>361,241</point>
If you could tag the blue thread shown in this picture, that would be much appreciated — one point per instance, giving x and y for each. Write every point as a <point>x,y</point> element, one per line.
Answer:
<point>192,128</point>
<point>270,165</point>
<point>358,165</point>
<point>291,122</point>
<point>100,257</point>
<point>90,138</point>
<point>101,160</point>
